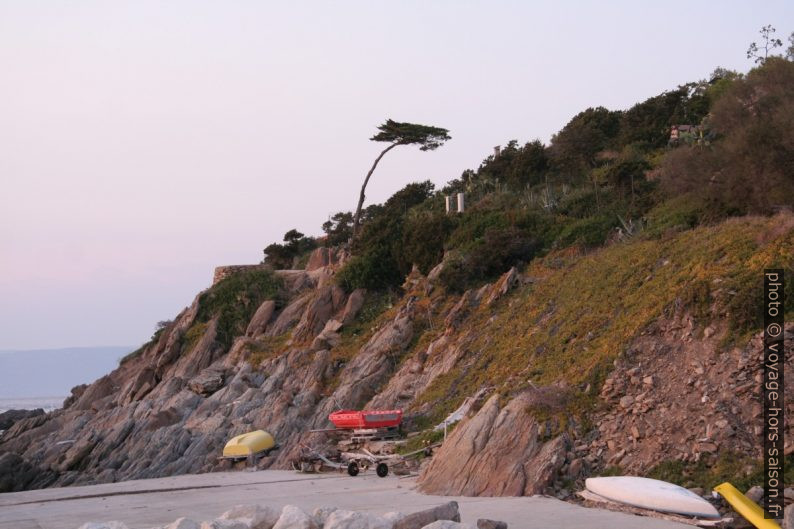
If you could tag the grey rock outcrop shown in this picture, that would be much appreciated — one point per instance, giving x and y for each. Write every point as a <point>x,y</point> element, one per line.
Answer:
<point>498,452</point>
<point>8,418</point>
<point>261,318</point>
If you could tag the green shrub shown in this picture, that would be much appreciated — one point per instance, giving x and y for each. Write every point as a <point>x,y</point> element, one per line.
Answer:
<point>588,232</point>
<point>376,269</point>
<point>235,299</point>
<point>286,256</point>
<point>380,260</point>
<point>455,275</point>
<point>676,214</point>
<point>581,203</point>
<point>423,238</point>
<point>498,250</point>
<point>473,225</point>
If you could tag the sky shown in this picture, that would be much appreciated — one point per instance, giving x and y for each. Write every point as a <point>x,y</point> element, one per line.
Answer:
<point>143,143</point>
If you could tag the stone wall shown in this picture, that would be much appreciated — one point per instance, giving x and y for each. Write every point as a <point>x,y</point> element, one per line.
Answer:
<point>222,272</point>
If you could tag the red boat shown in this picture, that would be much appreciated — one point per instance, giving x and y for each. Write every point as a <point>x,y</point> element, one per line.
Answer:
<point>354,419</point>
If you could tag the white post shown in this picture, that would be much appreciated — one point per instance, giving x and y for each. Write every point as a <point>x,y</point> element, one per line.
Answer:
<point>448,200</point>
<point>461,205</point>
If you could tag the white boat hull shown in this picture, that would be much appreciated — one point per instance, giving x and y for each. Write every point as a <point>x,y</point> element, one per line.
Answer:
<point>651,494</point>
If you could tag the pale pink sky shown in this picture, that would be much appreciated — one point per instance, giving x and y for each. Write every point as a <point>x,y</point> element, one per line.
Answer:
<point>142,143</point>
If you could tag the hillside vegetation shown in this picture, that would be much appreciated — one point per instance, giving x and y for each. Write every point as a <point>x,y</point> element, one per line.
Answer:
<point>600,295</point>
<point>607,175</point>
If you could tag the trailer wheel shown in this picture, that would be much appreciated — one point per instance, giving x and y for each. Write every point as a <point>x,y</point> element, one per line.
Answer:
<point>382,470</point>
<point>352,468</point>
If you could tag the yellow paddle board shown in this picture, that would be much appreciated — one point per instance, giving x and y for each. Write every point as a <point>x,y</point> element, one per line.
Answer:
<point>745,506</point>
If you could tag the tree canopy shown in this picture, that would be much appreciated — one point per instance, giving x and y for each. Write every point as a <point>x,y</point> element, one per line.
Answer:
<point>428,138</point>
<point>395,133</point>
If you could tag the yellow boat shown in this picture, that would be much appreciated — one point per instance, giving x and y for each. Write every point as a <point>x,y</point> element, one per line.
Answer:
<point>249,444</point>
<point>745,506</point>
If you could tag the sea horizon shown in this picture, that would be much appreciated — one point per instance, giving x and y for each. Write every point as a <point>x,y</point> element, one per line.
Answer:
<point>47,403</point>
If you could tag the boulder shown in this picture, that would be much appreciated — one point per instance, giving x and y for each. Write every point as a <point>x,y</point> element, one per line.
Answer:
<point>288,317</point>
<point>446,524</point>
<point>485,523</point>
<point>183,523</point>
<point>320,258</point>
<point>353,305</point>
<point>755,493</point>
<point>207,382</point>
<point>261,318</point>
<point>318,311</point>
<point>508,280</point>
<point>321,514</point>
<point>294,518</point>
<point>256,516</point>
<point>393,516</point>
<point>329,337</point>
<point>326,340</point>
<point>417,520</point>
<point>342,519</point>
<point>788,517</point>
<point>225,524</point>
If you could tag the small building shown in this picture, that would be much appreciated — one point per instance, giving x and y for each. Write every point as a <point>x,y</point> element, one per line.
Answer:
<point>683,132</point>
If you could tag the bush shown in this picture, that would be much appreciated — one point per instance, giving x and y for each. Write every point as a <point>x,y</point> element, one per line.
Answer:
<point>338,229</point>
<point>234,300</point>
<point>677,214</point>
<point>588,232</point>
<point>747,169</point>
<point>423,239</point>
<point>581,203</point>
<point>473,225</point>
<point>498,250</point>
<point>285,256</point>
<point>374,270</point>
<point>380,260</point>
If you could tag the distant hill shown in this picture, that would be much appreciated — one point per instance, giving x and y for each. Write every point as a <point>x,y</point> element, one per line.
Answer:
<point>53,372</point>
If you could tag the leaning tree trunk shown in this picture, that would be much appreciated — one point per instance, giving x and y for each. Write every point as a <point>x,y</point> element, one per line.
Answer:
<point>362,196</point>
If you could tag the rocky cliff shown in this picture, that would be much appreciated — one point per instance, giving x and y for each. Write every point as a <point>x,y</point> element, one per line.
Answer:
<point>578,363</point>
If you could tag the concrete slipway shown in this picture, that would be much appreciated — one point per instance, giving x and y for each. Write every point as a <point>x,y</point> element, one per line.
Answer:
<point>151,502</point>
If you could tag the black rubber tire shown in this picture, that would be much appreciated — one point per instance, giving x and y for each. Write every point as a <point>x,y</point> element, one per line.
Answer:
<point>352,468</point>
<point>382,470</point>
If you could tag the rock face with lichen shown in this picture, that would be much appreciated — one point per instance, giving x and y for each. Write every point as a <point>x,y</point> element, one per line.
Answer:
<point>280,351</point>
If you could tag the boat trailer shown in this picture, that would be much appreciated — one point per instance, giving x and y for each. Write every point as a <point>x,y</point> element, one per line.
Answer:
<point>354,463</point>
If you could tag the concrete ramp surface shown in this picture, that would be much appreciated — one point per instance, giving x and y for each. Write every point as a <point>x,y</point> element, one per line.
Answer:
<point>146,503</point>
